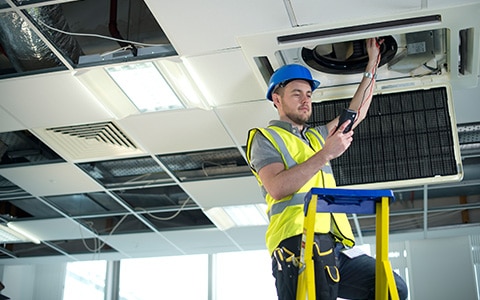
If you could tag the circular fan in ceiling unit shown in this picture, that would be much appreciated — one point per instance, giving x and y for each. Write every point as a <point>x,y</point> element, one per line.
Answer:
<point>346,57</point>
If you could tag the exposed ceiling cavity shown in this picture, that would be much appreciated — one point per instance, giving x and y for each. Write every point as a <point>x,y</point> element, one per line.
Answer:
<point>37,37</point>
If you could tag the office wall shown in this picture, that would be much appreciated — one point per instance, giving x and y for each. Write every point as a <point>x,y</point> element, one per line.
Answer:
<point>437,269</point>
<point>441,269</point>
<point>33,282</point>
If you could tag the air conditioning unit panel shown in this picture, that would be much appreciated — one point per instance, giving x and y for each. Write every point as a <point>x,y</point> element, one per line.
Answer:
<point>430,42</point>
<point>436,52</point>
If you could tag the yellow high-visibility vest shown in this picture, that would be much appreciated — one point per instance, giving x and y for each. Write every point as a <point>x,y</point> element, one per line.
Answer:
<point>286,215</point>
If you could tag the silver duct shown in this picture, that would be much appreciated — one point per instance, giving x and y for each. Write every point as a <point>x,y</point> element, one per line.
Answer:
<point>25,50</point>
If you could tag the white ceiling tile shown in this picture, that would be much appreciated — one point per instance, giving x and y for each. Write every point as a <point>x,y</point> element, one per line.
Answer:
<point>177,131</point>
<point>223,192</point>
<point>241,117</point>
<point>250,237</point>
<point>51,179</point>
<point>54,229</point>
<point>146,243</point>
<point>326,12</point>
<point>8,122</point>
<point>59,97</point>
<point>212,25</point>
<point>225,77</point>
<point>198,241</point>
<point>467,105</point>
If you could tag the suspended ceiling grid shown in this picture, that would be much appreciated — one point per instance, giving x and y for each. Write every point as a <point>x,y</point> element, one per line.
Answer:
<point>37,103</point>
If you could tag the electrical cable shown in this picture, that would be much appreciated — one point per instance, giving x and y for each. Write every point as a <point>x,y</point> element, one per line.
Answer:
<point>98,36</point>
<point>99,246</point>
<point>370,85</point>
<point>166,218</point>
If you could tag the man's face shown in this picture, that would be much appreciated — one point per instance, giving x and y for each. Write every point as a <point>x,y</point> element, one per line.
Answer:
<point>294,102</point>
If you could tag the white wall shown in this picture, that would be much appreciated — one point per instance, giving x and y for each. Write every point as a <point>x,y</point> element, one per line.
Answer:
<point>441,269</point>
<point>33,282</point>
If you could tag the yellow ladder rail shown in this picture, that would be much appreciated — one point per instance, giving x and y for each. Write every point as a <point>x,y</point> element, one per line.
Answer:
<point>347,201</point>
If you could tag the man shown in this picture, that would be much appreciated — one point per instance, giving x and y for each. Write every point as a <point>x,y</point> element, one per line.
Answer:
<point>289,158</point>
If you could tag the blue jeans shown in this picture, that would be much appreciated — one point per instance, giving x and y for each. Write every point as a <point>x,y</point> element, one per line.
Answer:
<point>357,275</point>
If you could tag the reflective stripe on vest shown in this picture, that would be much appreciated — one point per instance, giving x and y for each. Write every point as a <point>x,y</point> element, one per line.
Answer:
<point>286,215</point>
<point>298,198</point>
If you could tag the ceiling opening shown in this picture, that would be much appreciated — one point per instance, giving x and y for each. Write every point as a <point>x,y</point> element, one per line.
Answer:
<point>23,148</point>
<point>215,163</point>
<point>44,37</point>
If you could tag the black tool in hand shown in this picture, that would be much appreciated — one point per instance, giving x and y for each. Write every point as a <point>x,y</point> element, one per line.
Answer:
<point>347,114</point>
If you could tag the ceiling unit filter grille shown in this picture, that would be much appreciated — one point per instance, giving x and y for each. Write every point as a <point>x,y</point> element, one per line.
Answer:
<point>89,141</point>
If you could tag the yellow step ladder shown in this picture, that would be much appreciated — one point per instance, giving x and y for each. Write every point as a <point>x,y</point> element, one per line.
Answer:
<point>347,201</point>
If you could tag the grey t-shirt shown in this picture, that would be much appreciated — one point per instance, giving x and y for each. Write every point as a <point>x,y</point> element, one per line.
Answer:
<point>264,153</point>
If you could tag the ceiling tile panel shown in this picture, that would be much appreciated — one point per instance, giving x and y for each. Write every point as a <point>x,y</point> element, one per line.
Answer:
<point>54,229</point>
<point>51,179</point>
<point>212,25</point>
<point>177,131</point>
<point>142,244</point>
<point>201,241</point>
<point>240,118</point>
<point>250,238</point>
<point>225,77</point>
<point>8,122</point>
<point>223,192</point>
<point>59,96</point>
<point>315,12</point>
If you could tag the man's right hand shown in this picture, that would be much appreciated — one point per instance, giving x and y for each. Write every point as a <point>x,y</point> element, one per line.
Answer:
<point>337,142</point>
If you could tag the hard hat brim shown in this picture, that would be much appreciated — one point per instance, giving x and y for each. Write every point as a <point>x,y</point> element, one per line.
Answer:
<point>313,83</point>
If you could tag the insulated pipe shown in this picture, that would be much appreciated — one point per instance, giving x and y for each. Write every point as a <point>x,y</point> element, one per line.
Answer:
<point>25,49</point>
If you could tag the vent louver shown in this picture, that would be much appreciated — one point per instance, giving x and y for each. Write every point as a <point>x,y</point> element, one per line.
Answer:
<point>87,141</point>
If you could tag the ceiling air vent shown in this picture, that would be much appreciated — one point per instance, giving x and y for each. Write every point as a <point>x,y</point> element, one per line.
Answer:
<point>89,141</point>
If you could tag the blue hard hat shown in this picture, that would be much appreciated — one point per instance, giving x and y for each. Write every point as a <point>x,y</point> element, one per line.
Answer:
<point>288,73</point>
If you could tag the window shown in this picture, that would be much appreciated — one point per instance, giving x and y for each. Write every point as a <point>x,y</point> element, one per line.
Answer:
<point>244,275</point>
<point>175,277</point>
<point>85,280</point>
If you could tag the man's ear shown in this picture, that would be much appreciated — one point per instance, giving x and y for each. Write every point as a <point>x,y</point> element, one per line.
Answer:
<point>275,99</point>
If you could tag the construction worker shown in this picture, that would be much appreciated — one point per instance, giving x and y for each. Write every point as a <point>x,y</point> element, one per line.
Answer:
<point>288,158</point>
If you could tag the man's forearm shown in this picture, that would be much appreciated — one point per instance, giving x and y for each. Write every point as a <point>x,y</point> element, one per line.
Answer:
<point>363,95</point>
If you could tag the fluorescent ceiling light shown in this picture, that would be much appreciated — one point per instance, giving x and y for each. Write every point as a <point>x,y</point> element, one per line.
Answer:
<point>12,234</point>
<point>145,87</point>
<point>238,216</point>
<point>220,218</point>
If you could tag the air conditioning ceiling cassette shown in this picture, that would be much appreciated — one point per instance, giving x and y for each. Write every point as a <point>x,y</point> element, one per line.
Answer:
<point>429,45</point>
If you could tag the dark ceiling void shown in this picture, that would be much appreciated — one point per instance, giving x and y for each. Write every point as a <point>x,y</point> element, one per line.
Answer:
<point>25,209</point>
<point>170,197</point>
<point>86,204</point>
<point>27,250</point>
<point>82,246</point>
<point>47,37</point>
<point>347,57</point>
<point>216,163</point>
<point>23,148</point>
<point>121,173</point>
<point>186,219</point>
